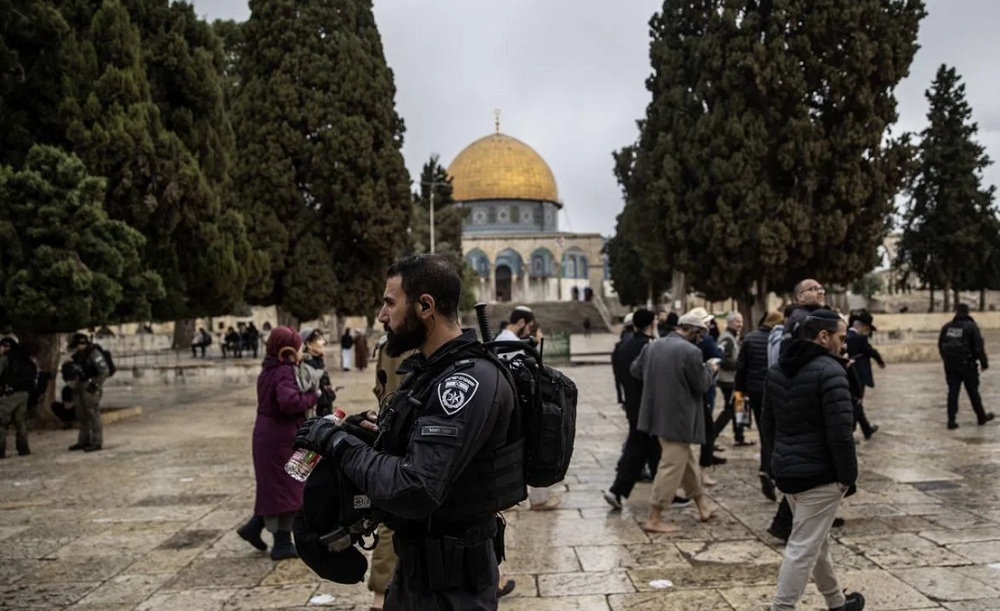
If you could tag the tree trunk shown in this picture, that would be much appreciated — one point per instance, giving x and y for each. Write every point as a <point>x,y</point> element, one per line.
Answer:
<point>183,334</point>
<point>678,288</point>
<point>285,318</point>
<point>931,308</point>
<point>957,300</point>
<point>45,347</point>
<point>982,300</point>
<point>947,298</point>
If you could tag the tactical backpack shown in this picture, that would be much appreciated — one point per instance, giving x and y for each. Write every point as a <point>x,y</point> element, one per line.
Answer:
<point>107,359</point>
<point>547,402</point>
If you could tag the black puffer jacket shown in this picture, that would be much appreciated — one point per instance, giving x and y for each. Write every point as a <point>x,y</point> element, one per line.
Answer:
<point>961,342</point>
<point>808,414</point>
<point>752,368</point>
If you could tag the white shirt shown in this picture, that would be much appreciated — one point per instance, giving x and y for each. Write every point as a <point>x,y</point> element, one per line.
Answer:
<point>507,336</point>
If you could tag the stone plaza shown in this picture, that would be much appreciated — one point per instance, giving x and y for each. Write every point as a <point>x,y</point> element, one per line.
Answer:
<point>148,523</point>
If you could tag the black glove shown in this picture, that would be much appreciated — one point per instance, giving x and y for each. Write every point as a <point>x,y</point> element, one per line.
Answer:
<point>320,435</point>
<point>353,426</point>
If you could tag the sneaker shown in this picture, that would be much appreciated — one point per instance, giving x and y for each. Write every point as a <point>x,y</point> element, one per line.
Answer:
<point>77,446</point>
<point>613,499</point>
<point>990,416</point>
<point>646,475</point>
<point>855,602</point>
<point>92,448</point>
<point>952,426</point>
<point>680,502</point>
<point>718,461</point>
<point>767,487</point>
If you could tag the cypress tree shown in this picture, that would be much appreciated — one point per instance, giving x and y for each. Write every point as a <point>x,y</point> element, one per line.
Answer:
<point>765,152</point>
<point>319,171</point>
<point>950,232</point>
<point>448,218</point>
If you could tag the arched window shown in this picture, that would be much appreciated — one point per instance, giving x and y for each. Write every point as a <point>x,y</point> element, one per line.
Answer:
<point>479,262</point>
<point>574,263</point>
<point>542,262</point>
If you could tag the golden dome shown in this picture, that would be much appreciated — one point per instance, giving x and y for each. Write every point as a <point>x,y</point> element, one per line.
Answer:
<point>501,167</point>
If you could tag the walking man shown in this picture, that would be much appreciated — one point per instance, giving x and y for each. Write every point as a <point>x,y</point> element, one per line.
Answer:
<point>808,411</point>
<point>640,447</point>
<point>674,382</point>
<point>751,373</point>
<point>861,354</point>
<point>961,348</point>
<point>729,344</point>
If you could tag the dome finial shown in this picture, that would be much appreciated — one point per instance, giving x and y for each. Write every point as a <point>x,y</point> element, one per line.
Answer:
<point>496,113</point>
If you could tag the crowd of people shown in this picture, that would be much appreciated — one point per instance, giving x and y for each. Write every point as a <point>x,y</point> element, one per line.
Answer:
<point>800,377</point>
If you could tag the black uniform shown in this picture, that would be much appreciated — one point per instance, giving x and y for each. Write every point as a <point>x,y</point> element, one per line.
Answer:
<point>961,347</point>
<point>641,448</point>
<point>449,458</point>
<point>751,373</point>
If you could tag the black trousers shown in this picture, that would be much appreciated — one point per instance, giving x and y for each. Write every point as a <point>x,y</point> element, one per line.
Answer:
<point>782,521</point>
<point>640,449</point>
<point>403,596</point>
<point>957,374</point>
<point>756,401</point>
<point>728,414</point>
<point>707,457</point>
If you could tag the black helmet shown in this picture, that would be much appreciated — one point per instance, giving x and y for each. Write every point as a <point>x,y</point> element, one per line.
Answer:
<point>78,338</point>
<point>334,517</point>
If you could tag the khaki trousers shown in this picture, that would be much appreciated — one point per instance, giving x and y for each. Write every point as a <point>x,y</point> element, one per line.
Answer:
<point>383,562</point>
<point>678,469</point>
<point>808,548</point>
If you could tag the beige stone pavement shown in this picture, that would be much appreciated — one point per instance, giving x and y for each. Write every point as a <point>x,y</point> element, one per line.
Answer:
<point>148,523</point>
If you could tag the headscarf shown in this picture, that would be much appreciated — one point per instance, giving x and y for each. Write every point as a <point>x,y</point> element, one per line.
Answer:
<point>282,338</point>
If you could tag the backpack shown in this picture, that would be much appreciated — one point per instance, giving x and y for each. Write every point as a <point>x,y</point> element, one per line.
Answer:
<point>21,372</point>
<point>107,360</point>
<point>547,403</point>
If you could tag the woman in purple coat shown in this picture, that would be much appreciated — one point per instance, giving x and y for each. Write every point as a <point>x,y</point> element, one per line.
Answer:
<point>281,409</point>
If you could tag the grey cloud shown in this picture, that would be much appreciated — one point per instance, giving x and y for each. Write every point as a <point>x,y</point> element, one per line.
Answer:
<point>569,76</point>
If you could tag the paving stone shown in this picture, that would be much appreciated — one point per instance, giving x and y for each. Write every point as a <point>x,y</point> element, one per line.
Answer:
<point>125,589</point>
<point>903,550</point>
<point>940,583</point>
<point>609,557</point>
<point>163,561</point>
<point>971,535</point>
<point>269,597</point>
<point>759,598</point>
<point>85,568</point>
<point>188,600</point>
<point>221,572</point>
<point>288,572</point>
<point>728,552</point>
<point>983,552</point>
<point>665,600</point>
<point>883,591</point>
<point>30,548</point>
<point>558,603</point>
<point>112,545</point>
<point>43,595</point>
<point>565,584</point>
<point>542,560</point>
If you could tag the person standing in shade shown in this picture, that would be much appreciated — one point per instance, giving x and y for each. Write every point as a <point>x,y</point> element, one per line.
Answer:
<point>88,388</point>
<point>674,382</point>
<point>861,355</point>
<point>808,411</point>
<point>961,347</point>
<point>347,350</point>
<point>640,448</point>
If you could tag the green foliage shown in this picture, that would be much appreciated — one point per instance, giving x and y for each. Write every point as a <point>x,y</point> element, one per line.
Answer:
<point>448,218</point>
<point>951,234</point>
<point>64,264</point>
<point>764,156</point>
<point>868,285</point>
<point>319,172</point>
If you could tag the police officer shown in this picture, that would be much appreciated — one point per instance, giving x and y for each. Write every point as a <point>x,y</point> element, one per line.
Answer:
<point>17,379</point>
<point>449,455</point>
<point>961,347</point>
<point>87,390</point>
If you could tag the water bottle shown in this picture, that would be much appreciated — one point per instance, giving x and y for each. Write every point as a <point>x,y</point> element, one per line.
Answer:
<point>301,464</point>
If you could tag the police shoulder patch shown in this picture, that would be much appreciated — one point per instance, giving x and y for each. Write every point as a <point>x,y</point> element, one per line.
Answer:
<point>456,391</point>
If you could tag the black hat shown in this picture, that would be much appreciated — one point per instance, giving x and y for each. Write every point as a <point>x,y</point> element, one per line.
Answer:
<point>330,503</point>
<point>643,318</point>
<point>865,317</point>
<point>79,338</point>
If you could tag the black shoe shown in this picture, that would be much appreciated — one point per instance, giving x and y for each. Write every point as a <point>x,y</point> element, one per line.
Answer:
<point>838,522</point>
<point>94,447</point>
<point>990,416</point>
<point>680,502</point>
<point>767,487</point>
<point>718,461</point>
<point>779,533</point>
<point>505,590</point>
<point>719,448</point>
<point>646,475</point>
<point>77,446</point>
<point>871,432</point>
<point>855,602</point>
<point>615,500</point>
<point>24,452</point>
<point>283,546</point>
<point>952,426</point>
<point>250,532</point>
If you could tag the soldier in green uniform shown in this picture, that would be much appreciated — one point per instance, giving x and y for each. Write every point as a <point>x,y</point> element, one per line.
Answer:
<point>17,379</point>
<point>87,390</point>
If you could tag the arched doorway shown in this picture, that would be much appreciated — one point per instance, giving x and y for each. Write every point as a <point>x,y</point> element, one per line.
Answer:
<point>504,281</point>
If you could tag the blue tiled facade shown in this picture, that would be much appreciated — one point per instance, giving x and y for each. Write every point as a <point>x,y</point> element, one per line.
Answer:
<point>510,216</point>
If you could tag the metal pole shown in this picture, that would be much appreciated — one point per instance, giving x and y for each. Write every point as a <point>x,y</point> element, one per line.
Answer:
<point>433,184</point>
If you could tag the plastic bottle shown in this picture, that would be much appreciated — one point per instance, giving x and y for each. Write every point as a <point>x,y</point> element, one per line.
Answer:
<point>301,464</point>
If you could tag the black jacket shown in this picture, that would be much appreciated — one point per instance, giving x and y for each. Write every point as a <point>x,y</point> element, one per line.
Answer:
<point>859,350</point>
<point>961,343</point>
<point>809,415</point>
<point>751,371</point>
<point>430,447</point>
<point>625,353</point>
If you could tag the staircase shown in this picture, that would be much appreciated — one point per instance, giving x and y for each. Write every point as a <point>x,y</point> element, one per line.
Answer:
<point>554,316</point>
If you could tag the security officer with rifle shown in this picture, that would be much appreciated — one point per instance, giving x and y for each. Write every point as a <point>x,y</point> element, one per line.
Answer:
<point>449,453</point>
<point>89,371</point>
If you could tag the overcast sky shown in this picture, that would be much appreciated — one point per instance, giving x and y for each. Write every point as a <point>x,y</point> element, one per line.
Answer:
<point>569,78</point>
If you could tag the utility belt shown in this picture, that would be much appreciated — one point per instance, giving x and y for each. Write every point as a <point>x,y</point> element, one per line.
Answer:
<point>446,563</point>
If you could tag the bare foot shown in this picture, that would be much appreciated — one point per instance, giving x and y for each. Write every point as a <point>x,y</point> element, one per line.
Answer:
<point>660,527</point>
<point>704,512</point>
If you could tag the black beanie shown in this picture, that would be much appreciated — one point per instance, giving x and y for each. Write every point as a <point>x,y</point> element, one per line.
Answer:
<point>642,318</point>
